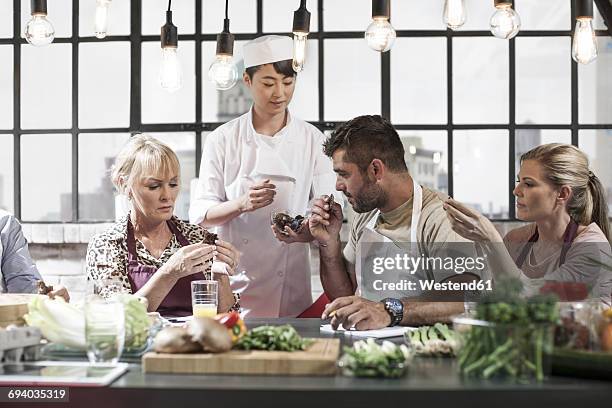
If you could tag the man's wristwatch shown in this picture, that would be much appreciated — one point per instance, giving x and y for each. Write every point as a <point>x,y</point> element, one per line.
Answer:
<point>395,308</point>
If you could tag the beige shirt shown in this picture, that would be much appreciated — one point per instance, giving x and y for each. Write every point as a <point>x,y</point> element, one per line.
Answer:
<point>589,260</point>
<point>433,235</point>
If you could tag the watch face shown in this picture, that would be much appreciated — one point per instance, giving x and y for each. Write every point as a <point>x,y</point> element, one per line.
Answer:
<point>395,306</point>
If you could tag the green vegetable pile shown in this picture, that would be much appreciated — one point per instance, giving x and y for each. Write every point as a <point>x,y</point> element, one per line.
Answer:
<point>280,338</point>
<point>137,322</point>
<point>516,338</point>
<point>437,340</point>
<point>369,359</point>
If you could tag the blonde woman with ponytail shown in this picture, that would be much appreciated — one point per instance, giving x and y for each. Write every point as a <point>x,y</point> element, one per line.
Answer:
<point>568,238</point>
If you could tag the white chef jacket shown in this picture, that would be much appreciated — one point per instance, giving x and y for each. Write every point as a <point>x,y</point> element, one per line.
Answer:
<point>273,278</point>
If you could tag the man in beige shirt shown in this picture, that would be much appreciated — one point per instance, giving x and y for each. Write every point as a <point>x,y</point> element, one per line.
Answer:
<point>395,216</point>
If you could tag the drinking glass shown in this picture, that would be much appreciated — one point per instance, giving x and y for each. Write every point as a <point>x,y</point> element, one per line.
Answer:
<point>204,298</point>
<point>104,330</point>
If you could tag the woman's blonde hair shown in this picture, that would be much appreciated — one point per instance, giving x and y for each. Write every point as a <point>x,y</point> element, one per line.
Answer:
<point>142,155</point>
<point>566,165</point>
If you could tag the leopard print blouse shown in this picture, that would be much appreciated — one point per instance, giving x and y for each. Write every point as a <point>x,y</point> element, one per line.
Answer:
<point>107,256</point>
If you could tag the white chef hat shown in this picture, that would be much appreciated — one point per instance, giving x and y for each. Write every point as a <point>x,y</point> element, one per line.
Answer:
<point>267,49</point>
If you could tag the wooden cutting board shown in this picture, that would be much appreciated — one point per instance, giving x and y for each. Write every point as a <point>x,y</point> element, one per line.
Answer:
<point>319,359</point>
<point>12,308</point>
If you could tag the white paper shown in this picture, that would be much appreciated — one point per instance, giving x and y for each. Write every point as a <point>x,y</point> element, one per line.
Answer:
<point>377,334</point>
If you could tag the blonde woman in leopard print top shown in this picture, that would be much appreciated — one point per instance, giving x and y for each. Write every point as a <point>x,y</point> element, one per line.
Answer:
<point>150,252</point>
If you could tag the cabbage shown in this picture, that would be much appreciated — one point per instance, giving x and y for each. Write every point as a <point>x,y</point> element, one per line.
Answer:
<point>137,321</point>
<point>59,322</point>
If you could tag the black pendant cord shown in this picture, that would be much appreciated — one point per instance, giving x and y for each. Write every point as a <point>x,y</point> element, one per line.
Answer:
<point>225,39</point>
<point>169,5</point>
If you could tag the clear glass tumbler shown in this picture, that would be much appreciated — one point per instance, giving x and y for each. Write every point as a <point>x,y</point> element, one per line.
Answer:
<point>104,330</point>
<point>204,298</point>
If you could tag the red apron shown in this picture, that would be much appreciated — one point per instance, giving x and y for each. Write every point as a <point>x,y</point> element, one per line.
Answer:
<point>178,301</point>
<point>566,291</point>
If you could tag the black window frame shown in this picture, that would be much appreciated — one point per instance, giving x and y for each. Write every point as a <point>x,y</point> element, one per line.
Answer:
<point>198,127</point>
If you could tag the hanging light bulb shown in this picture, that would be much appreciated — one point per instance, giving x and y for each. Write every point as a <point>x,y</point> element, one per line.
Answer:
<point>584,42</point>
<point>170,76</point>
<point>505,22</point>
<point>101,18</point>
<point>301,28</point>
<point>380,34</point>
<point>39,31</point>
<point>223,72</point>
<point>454,13</point>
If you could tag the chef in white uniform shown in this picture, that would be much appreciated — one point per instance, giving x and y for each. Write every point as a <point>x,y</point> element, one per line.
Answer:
<point>264,161</point>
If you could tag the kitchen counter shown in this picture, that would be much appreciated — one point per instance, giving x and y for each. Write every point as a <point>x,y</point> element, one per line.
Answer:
<point>429,383</point>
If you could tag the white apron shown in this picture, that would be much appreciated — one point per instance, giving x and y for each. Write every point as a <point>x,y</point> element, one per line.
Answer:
<point>273,278</point>
<point>370,245</point>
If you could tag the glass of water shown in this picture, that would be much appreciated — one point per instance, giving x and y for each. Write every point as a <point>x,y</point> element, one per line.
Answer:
<point>104,330</point>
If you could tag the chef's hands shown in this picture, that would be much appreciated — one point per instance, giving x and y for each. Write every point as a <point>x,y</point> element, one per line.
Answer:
<point>188,260</point>
<point>469,223</point>
<point>260,195</point>
<point>325,221</point>
<point>228,254</point>
<point>302,235</point>
<point>355,311</point>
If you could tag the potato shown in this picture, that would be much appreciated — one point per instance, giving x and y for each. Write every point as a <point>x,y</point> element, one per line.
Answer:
<point>210,334</point>
<point>175,340</point>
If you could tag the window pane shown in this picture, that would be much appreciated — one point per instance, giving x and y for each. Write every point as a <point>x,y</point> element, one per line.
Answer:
<point>544,15</point>
<point>6,87</point>
<point>527,139</point>
<point>154,16</point>
<point>242,14</point>
<point>480,80</point>
<point>97,152</point>
<point>417,15</point>
<point>278,15</point>
<point>6,173</point>
<point>6,19</point>
<point>339,15</point>
<point>59,13</point>
<point>46,94</point>
<point>595,86</point>
<point>543,86</point>
<point>118,17</point>
<point>158,105</point>
<point>426,157</point>
<point>51,184</point>
<point>183,145</point>
<point>598,21</point>
<point>418,85</point>
<point>352,79</point>
<point>222,106</point>
<point>104,84</point>
<point>478,13</point>
<point>480,166</point>
<point>597,144</point>
<point>305,102</point>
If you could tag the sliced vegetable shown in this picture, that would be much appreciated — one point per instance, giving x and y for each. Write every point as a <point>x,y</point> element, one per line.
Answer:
<point>282,338</point>
<point>369,359</point>
<point>234,324</point>
<point>437,340</point>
